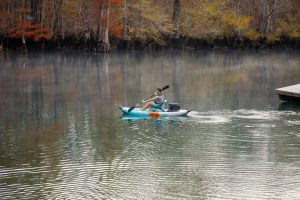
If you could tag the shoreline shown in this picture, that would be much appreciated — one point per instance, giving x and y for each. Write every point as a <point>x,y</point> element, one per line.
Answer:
<point>183,43</point>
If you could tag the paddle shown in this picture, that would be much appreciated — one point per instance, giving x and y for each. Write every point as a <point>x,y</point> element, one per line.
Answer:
<point>133,107</point>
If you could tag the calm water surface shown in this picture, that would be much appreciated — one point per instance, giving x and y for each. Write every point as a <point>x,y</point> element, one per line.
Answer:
<point>62,135</point>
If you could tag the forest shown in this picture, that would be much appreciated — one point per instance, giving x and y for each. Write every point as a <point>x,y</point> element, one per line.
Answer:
<point>106,25</point>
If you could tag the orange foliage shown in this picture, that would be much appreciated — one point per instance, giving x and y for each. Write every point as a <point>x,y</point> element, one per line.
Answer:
<point>115,16</point>
<point>33,31</point>
<point>115,25</point>
<point>106,2</point>
<point>116,2</point>
<point>42,36</point>
<point>117,29</point>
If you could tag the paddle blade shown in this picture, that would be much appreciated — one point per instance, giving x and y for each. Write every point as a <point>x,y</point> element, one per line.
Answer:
<point>130,109</point>
<point>165,87</point>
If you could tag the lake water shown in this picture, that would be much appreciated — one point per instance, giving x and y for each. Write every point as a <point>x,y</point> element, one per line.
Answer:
<point>62,135</point>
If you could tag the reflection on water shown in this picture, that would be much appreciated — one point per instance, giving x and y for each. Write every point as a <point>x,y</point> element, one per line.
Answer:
<point>293,106</point>
<point>62,136</point>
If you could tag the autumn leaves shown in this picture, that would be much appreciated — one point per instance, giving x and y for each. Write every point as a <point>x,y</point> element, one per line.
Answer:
<point>146,20</point>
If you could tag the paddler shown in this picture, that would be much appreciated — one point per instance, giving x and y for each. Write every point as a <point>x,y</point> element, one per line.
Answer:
<point>154,102</point>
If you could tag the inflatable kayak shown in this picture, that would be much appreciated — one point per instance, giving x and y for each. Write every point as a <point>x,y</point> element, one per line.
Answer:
<point>148,113</point>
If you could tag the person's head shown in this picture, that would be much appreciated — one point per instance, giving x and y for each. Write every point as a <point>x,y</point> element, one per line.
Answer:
<point>158,91</point>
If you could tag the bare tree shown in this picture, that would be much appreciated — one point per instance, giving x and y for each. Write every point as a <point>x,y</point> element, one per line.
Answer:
<point>176,12</point>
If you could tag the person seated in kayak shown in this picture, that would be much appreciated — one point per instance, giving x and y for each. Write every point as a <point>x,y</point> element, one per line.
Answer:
<point>154,102</point>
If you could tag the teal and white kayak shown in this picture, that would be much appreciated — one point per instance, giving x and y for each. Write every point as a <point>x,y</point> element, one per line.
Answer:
<point>148,113</point>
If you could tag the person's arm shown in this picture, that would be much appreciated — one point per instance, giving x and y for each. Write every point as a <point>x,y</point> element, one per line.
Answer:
<point>149,100</point>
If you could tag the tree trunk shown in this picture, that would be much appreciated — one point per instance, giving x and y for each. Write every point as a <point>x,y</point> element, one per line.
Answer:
<point>23,30</point>
<point>99,34</point>
<point>106,45</point>
<point>43,12</point>
<point>238,14</point>
<point>62,27</point>
<point>35,11</point>
<point>124,34</point>
<point>176,12</point>
<point>267,22</point>
<point>100,27</point>
<point>53,22</point>
<point>271,17</point>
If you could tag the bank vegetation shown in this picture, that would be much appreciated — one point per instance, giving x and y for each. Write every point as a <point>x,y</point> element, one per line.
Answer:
<point>105,25</point>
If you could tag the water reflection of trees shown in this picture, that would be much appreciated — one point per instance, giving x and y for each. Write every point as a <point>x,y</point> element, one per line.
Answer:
<point>210,80</point>
<point>45,87</point>
<point>52,102</point>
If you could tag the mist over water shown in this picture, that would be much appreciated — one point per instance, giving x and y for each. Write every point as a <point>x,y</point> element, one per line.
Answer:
<point>62,135</point>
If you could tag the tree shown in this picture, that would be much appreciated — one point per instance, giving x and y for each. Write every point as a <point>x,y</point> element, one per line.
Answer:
<point>106,24</point>
<point>55,9</point>
<point>25,30</point>
<point>287,22</point>
<point>148,22</point>
<point>212,19</point>
<point>4,17</point>
<point>176,12</point>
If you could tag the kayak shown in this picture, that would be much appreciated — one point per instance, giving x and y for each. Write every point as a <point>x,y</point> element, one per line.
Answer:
<point>147,113</point>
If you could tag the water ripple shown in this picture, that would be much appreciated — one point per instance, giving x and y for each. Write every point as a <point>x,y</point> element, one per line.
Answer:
<point>214,155</point>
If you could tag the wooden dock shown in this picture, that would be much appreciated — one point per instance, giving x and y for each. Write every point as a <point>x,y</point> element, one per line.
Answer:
<point>289,93</point>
